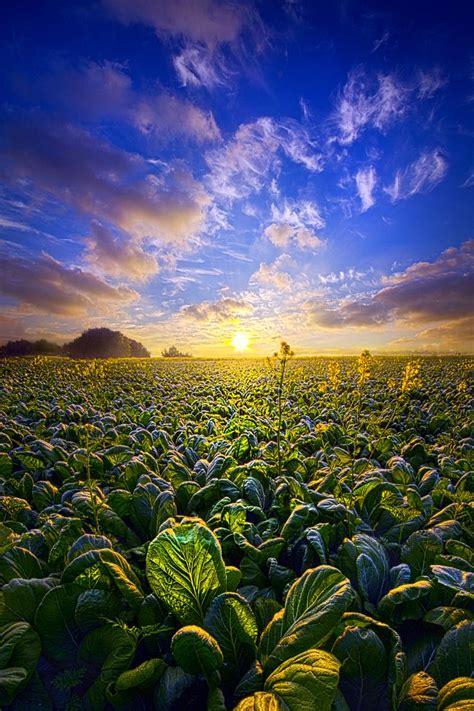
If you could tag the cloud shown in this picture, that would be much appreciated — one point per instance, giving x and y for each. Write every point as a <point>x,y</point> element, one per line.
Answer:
<point>366,180</point>
<point>379,101</point>
<point>421,176</point>
<point>428,83</point>
<point>210,22</point>
<point>273,274</point>
<point>424,293</point>
<point>118,256</point>
<point>219,39</point>
<point>102,181</point>
<point>242,166</point>
<point>454,337</point>
<point>293,224</point>
<point>97,90</point>
<point>166,116</point>
<point>222,310</point>
<point>197,66</point>
<point>51,287</point>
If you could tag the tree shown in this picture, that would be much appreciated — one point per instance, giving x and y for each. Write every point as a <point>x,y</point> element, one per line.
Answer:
<point>104,343</point>
<point>173,352</point>
<point>29,348</point>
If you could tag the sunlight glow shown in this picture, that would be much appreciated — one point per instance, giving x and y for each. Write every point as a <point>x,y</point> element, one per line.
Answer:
<point>240,342</point>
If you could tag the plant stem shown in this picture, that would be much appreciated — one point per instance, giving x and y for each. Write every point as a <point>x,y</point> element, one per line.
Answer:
<point>280,393</point>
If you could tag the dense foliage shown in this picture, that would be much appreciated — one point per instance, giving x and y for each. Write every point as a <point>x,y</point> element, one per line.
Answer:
<point>173,352</point>
<point>104,343</point>
<point>23,347</point>
<point>163,546</point>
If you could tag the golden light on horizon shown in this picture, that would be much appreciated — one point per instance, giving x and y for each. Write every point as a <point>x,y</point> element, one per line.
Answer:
<point>240,342</point>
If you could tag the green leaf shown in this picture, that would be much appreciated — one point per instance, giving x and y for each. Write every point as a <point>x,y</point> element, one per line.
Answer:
<point>301,680</point>
<point>20,598</point>
<point>6,466</point>
<point>20,562</point>
<point>420,551</point>
<point>20,648</point>
<point>197,652</point>
<point>364,667</point>
<point>262,701</point>
<point>12,681</point>
<point>447,617</point>
<point>215,700</point>
<point>314,605</point>
<point>457,695</point>
<point>455,654</point>
<point>418,693</point>
<point>54,621</point>
<point>458,580</point>
<point>143,676</point>
<point>185,569</point>
<point>403,602</point>
<point>109,650</point>
<point>172,690</point>
<point>231,621</point>
<point>233,577</point>
<point>396,661</point>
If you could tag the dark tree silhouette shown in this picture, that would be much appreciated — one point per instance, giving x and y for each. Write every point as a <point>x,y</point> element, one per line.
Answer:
<point>173,352</point>
<point>30,348</point>
<point>104,343</point>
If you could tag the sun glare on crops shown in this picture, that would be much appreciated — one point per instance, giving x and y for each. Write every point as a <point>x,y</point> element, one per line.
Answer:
<point>240,342</point>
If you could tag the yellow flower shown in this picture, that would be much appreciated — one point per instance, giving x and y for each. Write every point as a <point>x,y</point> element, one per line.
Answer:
<point>411,376</point>
<point>334,374</point>
<point>364,366</point>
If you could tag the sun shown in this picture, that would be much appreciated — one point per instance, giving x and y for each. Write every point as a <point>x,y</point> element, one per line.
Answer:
<point>240,342</point>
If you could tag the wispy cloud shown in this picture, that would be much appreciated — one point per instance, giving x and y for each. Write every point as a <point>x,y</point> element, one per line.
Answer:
<point>421,176</point>
<point>219,39</point>
<point>366,180</point>
<point>379,101</point>
<point>245,163</point>
<point>197,66</point>
<point>52,287</point>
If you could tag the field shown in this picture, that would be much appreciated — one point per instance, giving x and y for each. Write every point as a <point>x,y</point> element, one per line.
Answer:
<point>223,534</point>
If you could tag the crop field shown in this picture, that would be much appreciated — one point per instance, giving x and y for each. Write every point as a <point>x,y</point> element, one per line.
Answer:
<point>261,535</point>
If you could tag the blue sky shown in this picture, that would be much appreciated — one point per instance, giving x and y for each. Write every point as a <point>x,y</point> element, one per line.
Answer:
<point>183,170</point>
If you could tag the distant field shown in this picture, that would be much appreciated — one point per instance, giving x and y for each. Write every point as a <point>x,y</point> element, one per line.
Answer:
<point>187,534</point>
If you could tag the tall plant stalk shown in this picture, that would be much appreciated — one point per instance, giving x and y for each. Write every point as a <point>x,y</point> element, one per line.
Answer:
<point>281,357</point>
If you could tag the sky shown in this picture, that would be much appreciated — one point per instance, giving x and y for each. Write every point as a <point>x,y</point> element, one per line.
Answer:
<point>186,170</point>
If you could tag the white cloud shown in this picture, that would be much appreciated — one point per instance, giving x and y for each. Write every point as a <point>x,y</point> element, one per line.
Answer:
<point>243,165</point>
<point>421,176</point>
<point>198,66</point>
<point>225,309</point>
<point>293,225</point>
<point>366,180</point>
<point>167,116</point>
<point>379,101</point>
<point>273,274</point>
